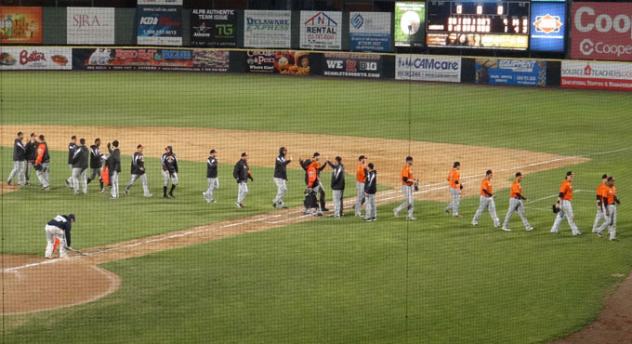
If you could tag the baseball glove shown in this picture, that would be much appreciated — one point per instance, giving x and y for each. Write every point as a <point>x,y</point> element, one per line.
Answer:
<point>38,167</point>
<point>556,208</point>
<point>416,186</point>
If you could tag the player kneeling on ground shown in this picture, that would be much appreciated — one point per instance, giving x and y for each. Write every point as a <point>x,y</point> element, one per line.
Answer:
<point>58,229</point>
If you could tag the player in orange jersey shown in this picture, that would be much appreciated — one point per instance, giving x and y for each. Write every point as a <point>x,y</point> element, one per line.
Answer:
<point>487,201</point>
<point>409,184</point>
<point>454,183</point>
<point>516,204</point>
<point>361,172</point>
<point>611,210</point>
<point>564,206</point>
<point>601,195</point>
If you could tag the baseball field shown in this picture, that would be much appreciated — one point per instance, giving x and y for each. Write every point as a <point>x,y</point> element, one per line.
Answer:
<point>156,270</point>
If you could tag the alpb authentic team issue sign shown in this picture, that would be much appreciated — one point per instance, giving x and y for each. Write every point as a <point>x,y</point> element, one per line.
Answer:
<point>90,25</point>
<point>160,25</point>
<point>267,29</point>
<point>214,28</point>
<point>321,30</point>
<point>370,31</point>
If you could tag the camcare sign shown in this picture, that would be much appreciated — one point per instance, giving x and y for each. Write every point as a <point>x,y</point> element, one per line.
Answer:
<point>428,68</point>
<point>613,76</point>
<point>90,25</point>
<point>601,31</point>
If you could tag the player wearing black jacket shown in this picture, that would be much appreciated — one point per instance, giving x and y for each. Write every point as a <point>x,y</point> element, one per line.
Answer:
<point>169,164</point>
<point>80,161</point>
<point>211,176</point>
<point>370,189</point>
<point>29,153</point>
<point>58,229</point>
<point>241,173</point>
<point>138,172</point>
<point>96,162</point>
<point>19,161</point>
<point>280,178</point>
<point>114,165</point>
<point>338,185</point>
<point>72,147</point>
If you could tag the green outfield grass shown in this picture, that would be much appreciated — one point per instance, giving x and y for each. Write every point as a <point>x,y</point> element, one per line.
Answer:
<point>328,281</point>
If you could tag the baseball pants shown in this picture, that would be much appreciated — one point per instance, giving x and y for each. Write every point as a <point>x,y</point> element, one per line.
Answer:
<point>371,209</point>
<point>114,183</point>
<point>486,203</point>
<point>143,181</point>
<point>455,201</point>
<point>213,183</point>
<point>338,195</point>
<point>69,179</point>
<point>53,233</point>
<point>166,177</point>
<point>281,185</point>
<point>610,222</point>
<point>600,218</point>
<point>566,211</point>
<point>408,203</point>
<point>19,171</point>
<point>78,180</point>
<point>43,175</point>
<point>516,206</point>
<point>242,191</point>
<point>94,173</point>
<point>359,198</point>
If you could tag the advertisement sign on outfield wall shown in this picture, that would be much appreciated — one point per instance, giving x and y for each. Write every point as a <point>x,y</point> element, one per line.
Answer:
<point>491,71</point>
<point>21,25</point>
<point>410,22</point>
<point>613,76</point>
<point>89,25</point>
<point>352,65</point>
<point>428,68</point>
<point>160,25</point>
<point>200,60</point>
<point>267,29</point>
<point>35,58</point>
<point>285,62</point>
<point>601,31</point>
<point>370,31</point>
<point>321,30</point>
<point>214,28</point>
<point>160,2</point>
<point>548,26</point>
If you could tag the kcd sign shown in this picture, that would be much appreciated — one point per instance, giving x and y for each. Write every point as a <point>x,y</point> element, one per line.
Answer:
<point>428,68</point>
<point>352,65</point>
<point>159,26</point>
<point>601,31</point>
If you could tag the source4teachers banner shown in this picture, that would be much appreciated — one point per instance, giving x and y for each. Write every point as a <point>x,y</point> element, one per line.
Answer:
<point>321,30</point>
<point>21,25</point>
<point>159,25</point>
<point>267,29</point>
<point>90,25</point>
<point>370,31</point>
<point>214,28</point>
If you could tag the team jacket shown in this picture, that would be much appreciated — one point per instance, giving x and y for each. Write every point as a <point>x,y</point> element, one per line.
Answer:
<point>280,167</point>
<point>370,185</point>
<point>312,175</point>
<point>305,164</point>
<point>30,150</point>
<point>81,158</point>
<point>62,222</point>
<point>95,157</point>
<point>169,163</point>
<point>338,177</point>
<point>138,164</point>
<point>19,151</point>
<point>114,160</point>
<point>72,147</point>
<point>41,155</point>
<point>211,167</point>
<point>241,172</point>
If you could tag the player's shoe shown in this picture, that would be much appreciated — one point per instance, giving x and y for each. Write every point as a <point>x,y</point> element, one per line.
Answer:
<point>395,213</point>
<point>148,195</point>
<point>597,233</point>
<point>411,218</point>
<point>239,205</point>
<point>474,224</point>
<point>506,229</point>
<point>529,229</point>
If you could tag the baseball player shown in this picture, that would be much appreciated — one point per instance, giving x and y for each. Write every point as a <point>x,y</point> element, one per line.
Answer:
<point>601,197</point>
<point>211,176</point>
<point>564,208</point>
<point>611,210</point>
<point>96,162</point>
<point>454,183</point>
<point>19,161</point>
<point>487,201</point>
<point>370,188</point>
<point>280,178</point>
<point>42,162</point>
<point>138,172</point>
<point>312,166</point>
<point>114,167</point>
<point>58,229</point>
<point>338,185</point>
<point>72,147</point>
<point>516,204</point>
<point>169,164</point>
<point>241,173</point>
<point>80,161</point>
<point>360,180</point>
<point>29,153</point>
<point>409,185</point>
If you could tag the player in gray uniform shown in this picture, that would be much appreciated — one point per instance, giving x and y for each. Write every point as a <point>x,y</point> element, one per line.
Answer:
<point>370,189</point>
<point>241,173</point>
<point>138,172</point>
<point>30,152</point>
<point>338,185</point>
<point>360,199</point>
<point>19,161</point>
<point>96,162</point>
<point>169,164</point>
<point>72,147</point>
<point>80,162</point>
<point>114,165</point>
<point>42,162</point>
<point>211,176</point>
<point>610,214</point>
<point>280,178</point>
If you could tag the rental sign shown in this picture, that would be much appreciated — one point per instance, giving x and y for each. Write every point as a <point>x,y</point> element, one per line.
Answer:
<point>601,31</point>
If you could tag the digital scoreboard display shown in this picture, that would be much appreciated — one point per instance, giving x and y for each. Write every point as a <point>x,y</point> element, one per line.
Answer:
<point>479,24</point>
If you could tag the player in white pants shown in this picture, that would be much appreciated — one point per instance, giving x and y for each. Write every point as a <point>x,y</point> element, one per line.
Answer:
<point>241,173</point>
<point>169,164</point>
<point>516,204</point>
<point>360,179</point>
<point>602,195</point>
<point>280,178</point>
<point>409,184</point>
<point>564,206</point>
<point>58,229</point>
<point>487,201</point>
<point>211,177</point>
<point>19,161</point>
<point>456,187</point>
<point>138,172</point>
<point>611,211</point>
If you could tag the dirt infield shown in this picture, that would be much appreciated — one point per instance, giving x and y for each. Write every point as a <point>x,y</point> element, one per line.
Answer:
<point>5,188</point>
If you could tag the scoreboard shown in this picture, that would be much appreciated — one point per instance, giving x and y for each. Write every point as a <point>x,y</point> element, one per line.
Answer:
<point>482,24</point>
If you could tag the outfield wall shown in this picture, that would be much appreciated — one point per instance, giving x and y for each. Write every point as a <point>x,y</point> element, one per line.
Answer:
<point>616,76</point>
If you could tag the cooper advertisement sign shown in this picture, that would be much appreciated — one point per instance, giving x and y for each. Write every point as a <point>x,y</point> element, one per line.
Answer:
<point>321,30</point>
<point>613,76</point>
<point>601,31</point>
<point>214,28</point>
<point>35,58</point>
<point>428,68</point>
<point>90,25</point>
<point>267,29</point>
